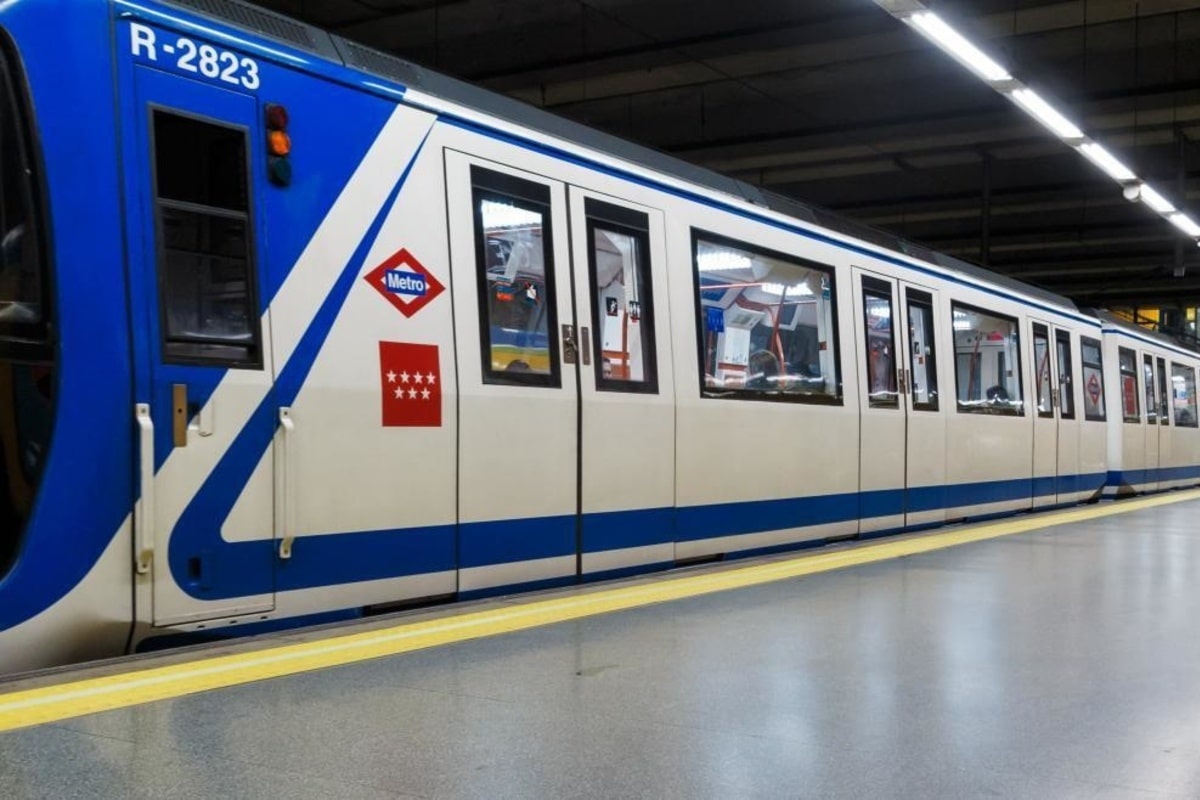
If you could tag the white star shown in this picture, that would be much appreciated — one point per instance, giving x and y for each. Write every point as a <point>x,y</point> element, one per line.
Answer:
<point>412,393</point>
<point>425,394</point>
<point>399,393</point>
<point>431,378</point>
<point>404,377</point>
<point>391,376</point>
<point>419,378</point>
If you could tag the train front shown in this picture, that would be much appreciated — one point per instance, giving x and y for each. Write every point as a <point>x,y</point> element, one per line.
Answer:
<point>66,409</point>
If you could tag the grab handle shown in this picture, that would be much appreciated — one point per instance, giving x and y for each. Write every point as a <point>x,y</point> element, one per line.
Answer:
<point>143,511</point>
<point>285,512</point>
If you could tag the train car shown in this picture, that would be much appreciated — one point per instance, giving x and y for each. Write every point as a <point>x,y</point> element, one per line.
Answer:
<point>1153,437</point>
<point>292,330</point>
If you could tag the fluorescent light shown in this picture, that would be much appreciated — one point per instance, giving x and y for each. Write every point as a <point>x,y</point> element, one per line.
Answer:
<point>502,215</point>
<point>1156,201</point>
<point>777,289</point>
<point>1108,162</point>
<point>1046,114</point>
<point>957,45</point>
<point>1185,223</point>
<point>722,261</point>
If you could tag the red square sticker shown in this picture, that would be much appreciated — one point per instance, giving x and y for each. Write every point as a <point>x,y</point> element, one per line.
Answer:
<point>411,380</point>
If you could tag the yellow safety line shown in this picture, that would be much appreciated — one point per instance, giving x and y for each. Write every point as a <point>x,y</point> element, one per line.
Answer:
<point>22,709</point>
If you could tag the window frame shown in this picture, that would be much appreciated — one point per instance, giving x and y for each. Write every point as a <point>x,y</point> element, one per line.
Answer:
<point>502,185</point>
<point>1019,411</point>
<point>255,359</point>
<point>708,392</point>
<point>1044,330</point>
<point>880,289</point>
<point>1064,337</point>
<point>1099,366</point>
<point>1122,373</point>
<point>1195,423</point>
<point>636,225</point>
<point>923,299</point>
<point>30,342</point>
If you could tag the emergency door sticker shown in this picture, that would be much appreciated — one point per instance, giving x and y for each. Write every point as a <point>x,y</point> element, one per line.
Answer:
<point>1093,389</point>
<point>411,381</point>
<point>405,283</point>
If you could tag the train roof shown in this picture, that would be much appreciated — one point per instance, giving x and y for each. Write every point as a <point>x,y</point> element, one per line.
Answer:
<point>312,39</point>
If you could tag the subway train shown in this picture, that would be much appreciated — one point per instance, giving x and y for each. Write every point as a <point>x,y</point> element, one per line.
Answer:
<point>295,331</point>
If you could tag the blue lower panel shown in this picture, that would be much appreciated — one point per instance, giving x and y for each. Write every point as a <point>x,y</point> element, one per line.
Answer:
<point>375,555</point>
<point>1134,477</point>
<point>483,544</point>
<point>616,530</point>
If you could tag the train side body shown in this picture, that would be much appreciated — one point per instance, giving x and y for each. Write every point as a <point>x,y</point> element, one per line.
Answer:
<point>325,342</point>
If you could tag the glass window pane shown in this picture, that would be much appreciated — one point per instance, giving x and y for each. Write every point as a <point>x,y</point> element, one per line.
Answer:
<point>205,260</point>
<point>513,235</point>
<point>1164,397</point>
<point>766,323</point>
<point>1041,365</point>
<point>623,313</point>
<point>20,254</point>
<point>1093,378</point>
<point>987,361</point>
<point>1183,393</point>
<point>1066,382</point>
<point>1127,363</point>
<point>922,359</point>
<point>881,350</point>
<point>1148,377</point>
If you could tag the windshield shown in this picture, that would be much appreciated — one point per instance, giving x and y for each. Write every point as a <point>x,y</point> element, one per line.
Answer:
<point>20,256</point>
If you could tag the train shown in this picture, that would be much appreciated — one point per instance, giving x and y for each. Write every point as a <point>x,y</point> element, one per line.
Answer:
<point>294,331</point>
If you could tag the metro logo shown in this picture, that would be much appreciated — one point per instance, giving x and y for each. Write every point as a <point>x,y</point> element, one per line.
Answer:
<point>404,282</point>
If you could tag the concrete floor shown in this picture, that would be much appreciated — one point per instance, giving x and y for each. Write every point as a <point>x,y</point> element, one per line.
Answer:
<point>1063,663</point>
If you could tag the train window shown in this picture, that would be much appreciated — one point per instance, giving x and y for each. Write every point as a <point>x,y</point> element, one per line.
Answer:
<point>515,277</point>
<point>987,361</point>
<point>1164,399</point>
<point>881,344</point>
<point>1093,379</point>
<point>1148,377</point>
<point>923,358</point>
<point>23,315</point>
<point>622,302</point>
<point>1041,366</point>
<point>209,306</point>
<point>1183,395</point>
<point>1127,364</point>
<point>767,324</point>
<point>1066,381</point>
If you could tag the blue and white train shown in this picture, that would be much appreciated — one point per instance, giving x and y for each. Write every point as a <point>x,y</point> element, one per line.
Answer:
<point>292,330</point>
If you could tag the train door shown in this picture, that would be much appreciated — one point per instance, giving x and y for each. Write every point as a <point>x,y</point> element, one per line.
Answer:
<point>1150,477</point>
<point>1045,420</point>
<point>902,465</point>
<point>627,398</point>
<point>1069,425</point>
<point>1164,419</point>
<point>205,341</point>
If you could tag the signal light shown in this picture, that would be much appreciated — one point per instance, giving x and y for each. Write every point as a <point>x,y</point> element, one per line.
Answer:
<point>279,145</point>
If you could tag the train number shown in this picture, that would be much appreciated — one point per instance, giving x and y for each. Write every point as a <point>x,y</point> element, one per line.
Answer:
<point>196,58</point>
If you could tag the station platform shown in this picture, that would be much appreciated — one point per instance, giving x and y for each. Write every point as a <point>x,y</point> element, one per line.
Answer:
<point>1042,656</point>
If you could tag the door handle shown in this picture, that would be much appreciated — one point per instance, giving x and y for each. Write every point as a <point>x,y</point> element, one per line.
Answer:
<point>179,414</point>
<point>143,512</point>
<point>586,350</point>
<point>570,349</point>
<point>285,477</point>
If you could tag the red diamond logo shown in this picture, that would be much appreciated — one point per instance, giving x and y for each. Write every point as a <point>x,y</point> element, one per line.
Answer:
<point>404,282</point>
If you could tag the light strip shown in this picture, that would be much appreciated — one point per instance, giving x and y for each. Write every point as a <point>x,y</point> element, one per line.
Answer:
<point>914,14</point>
<point>954,43</point>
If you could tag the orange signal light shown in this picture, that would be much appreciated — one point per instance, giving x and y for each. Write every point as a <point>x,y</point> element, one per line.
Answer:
<point>279,143</point>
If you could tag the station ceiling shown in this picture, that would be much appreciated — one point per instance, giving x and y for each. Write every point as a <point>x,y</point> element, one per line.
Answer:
<point>838,104</point>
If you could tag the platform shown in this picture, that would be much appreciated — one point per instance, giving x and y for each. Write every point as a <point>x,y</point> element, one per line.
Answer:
<point>1050,656</point>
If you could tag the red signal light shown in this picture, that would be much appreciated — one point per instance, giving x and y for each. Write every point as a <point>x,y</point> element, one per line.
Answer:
<point>279,145</point>
<point>277,117</point>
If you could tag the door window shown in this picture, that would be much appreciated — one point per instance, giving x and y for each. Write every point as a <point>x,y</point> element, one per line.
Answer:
<point>206,269</point>
<point>1127,363</point>
<point>1164,397</point>
<point>767,323</point>
<point>515,271</point>
<point>1148,377</point>
<point>622,301</point>
<point>1066,383</point>
<point>922,356</point>
<point>1093,379</point>
<point>880,344</point>
<point>1041,366</point>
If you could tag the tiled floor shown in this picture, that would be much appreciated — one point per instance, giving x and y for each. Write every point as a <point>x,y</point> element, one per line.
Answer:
<point>1057,664</point>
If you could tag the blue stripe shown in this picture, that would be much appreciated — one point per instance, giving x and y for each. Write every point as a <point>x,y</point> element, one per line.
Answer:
<point>504,541</point>
<point>616,530</point>
<point>1134,477</point>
